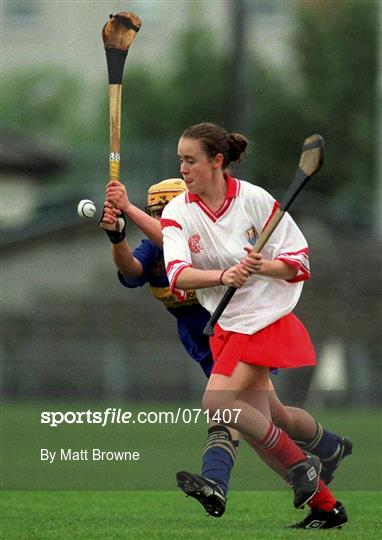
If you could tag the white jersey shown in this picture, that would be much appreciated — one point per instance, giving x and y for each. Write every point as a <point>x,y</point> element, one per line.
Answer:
<point>195,236</point>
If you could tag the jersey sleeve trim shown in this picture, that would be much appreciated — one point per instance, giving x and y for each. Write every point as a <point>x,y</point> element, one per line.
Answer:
<point>173,269</point>
<point>300,261</point>
<point>170,223</point>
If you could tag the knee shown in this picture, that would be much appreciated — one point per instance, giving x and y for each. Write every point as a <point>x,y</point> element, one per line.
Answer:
<point>210,402</point>
<point>214,400</point>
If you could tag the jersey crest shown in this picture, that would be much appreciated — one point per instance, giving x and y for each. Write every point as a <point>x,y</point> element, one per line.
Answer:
<point>251,235</point>
<point>194,243</point>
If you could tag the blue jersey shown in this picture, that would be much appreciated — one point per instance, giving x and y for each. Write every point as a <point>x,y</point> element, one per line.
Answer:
<point>191,316</point>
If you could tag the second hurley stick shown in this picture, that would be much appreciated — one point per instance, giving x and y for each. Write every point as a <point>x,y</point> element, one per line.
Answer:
<point>311,159</point>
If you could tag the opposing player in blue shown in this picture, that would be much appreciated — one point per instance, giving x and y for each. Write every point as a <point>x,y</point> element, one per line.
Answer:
<point>145,265</point>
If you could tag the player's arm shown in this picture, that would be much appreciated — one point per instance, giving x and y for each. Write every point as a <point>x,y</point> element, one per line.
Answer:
<point>276,268</point>
<point>148,225</point>
<point>116,194</point>
<point>124,260</point>
<point>235,276</point>
<point>123,256</point>
<point>193,278</point>
<point>181,275</point>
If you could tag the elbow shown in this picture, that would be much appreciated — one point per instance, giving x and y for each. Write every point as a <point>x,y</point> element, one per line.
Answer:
<point>294,270</point>
<point>290,272</point>
<point>131,268</point>
<point>158,241</point>
<point>129,272</point>
<point>177,275</point>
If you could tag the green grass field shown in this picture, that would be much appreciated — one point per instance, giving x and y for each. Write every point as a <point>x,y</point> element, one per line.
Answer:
<point>168,514</point>
<point>89,500</point>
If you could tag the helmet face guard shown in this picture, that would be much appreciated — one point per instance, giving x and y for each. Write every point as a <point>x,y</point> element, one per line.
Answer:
<point>162,193</point>
<point>154,210</point>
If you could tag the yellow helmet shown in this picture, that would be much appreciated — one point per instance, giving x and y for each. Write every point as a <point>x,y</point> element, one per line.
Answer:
<point>162,193</point>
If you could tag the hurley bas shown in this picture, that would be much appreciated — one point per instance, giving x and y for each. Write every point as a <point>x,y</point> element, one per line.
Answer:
<point>95,454</point>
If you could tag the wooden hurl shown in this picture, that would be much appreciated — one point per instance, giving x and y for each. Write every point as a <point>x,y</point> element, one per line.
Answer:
<point>117,34</point>
<point>311,159</point>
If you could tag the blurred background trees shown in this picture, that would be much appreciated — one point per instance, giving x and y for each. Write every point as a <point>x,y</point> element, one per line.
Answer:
<point>332,91</point>
<point>337,51</point>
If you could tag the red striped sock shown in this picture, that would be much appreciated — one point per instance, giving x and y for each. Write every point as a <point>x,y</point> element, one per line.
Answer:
<point>323,499</point>
<point>277,444</point>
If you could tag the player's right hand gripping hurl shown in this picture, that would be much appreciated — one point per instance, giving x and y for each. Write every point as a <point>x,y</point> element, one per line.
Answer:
<point>116,205</point>
<point>237,275</point>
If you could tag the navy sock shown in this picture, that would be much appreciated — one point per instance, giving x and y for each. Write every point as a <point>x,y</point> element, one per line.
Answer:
<point>324,444</point>
<point>219,456</point>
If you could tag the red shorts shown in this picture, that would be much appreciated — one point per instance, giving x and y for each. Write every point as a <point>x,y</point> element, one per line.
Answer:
<point>283,344</point>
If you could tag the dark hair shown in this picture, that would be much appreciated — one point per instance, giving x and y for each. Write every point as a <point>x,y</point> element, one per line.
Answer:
<point>216,140</point>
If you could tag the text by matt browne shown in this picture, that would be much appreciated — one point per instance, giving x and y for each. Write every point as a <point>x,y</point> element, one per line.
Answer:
<point>84,454</point>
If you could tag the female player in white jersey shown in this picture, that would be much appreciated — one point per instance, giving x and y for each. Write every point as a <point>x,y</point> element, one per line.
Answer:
<point>145,265</point>
<point>206,245</point>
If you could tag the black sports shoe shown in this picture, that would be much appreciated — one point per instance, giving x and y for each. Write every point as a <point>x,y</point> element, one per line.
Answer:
<point>321,519</point>
<point>204,490</point>
<point>304,478</point>
<point>330,465</point>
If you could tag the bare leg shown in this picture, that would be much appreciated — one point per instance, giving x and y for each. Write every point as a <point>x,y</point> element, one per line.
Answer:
<point>250,396</point>
<point>229,394</point>
<point>245,397</point>
<point>298,423</point>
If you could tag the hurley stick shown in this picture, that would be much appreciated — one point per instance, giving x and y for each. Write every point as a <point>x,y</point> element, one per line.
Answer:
<point>311,159</point>
<point>117,34</point>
